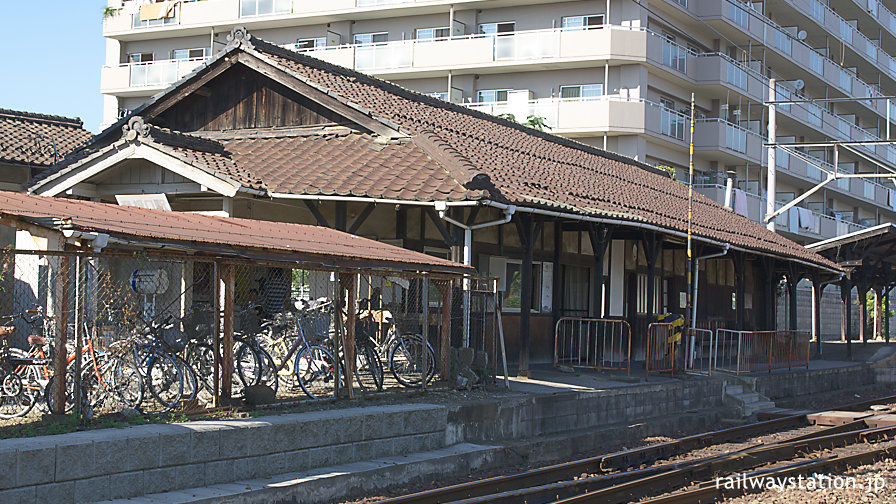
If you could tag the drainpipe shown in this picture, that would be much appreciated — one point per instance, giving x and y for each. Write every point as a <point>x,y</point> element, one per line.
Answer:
<point>442,209</point>
<point>697,280</point>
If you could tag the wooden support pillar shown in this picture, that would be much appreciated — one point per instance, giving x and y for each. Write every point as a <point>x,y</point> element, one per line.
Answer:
<point>227,280</point>
<point>526,229</point>
<point>557,298</point>
<point>600,237</point>
<point>792,279</point>
<point>886,312</point>
<point>863,312</point>
<point>740,260</point>
<point>878,303</point>
<point>771,281</point>
<point>444,288</point>
<point>817,291</point>
<point>846,313</point>
<point>347,286</point>
<point>60,357</point>
<point>341,220</point>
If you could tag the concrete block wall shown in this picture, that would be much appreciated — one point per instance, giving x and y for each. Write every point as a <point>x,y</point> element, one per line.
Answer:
<point>797,383</point>
<point>530,416</point>
<point>133,461</point>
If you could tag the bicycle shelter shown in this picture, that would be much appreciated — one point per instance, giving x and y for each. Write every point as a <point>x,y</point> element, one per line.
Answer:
<point>94,269</point>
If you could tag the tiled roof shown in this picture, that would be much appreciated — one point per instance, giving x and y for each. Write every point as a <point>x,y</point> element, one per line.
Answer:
<point>30,139</point>
<point>343,163</point>
<point>308,244</point>
<point>532,168</point>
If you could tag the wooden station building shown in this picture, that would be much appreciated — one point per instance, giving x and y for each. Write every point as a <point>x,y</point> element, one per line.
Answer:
<point>261,132</point>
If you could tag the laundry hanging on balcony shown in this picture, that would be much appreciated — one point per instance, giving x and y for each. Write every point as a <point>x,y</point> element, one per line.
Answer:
<point>160,10</point>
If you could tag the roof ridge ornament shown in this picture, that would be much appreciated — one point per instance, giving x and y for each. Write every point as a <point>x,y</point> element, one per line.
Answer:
<point>136,127</point>
<point>240,37</point>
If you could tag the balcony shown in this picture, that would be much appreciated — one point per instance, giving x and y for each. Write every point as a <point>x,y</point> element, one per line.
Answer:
<point>139,79</point>
<point>578,117</point>
<point>557,47</point>
<point>819,227</point>
<point>737,143</point>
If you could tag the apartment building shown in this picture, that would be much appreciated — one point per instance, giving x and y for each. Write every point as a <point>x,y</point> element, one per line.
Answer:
<point>616,74</point>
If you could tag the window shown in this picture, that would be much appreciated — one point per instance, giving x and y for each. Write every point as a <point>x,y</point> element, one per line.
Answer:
<point>846,31</point>
<point>432,33</point>
<point>513,286</point>
<point>737,76</point>
<point>491,95</point>
<point>575,23</point>
<point>641,305</point>
<point>140,57</point>
<point>738,13</point>
<point>816,9</point>
<point>845,79</point>
<point>783,41</point>
<point>311,43</point>
<point>494,29</point>
<point>576,291</point>
<point>371,38</point>
<point>581,92</point>
<point>264,7</point>
<point>674,55</point>
<point>672,123</point>
<point>180,54</point>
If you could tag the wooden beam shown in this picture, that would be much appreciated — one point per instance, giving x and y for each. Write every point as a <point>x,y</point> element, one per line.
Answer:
<point>60,358</point>
<point>359,220</point>
<point>444,288</point>
<point>440,225</point>
<point>315,211</point>
<point>526,227</point>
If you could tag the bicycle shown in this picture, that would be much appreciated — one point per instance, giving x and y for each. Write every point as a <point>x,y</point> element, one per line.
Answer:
<point>404,353</point>
<point>17,395</point>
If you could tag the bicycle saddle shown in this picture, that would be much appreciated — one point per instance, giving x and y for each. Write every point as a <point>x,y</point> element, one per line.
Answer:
<point>35,340</point>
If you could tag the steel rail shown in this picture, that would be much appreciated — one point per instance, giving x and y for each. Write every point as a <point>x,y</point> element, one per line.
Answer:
<point>545,479</point>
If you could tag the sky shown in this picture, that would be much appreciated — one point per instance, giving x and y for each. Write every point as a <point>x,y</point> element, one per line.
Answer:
<point>52,59</point>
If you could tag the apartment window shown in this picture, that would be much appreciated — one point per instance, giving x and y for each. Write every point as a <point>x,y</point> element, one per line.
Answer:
<point>424,34</point>
<point>782,93</point>
<point>738,13</point>
<point>311,43</point>
<point>674,55</point>
<point>735,138</point>
<point>582,92</point>
<point>816,9</point>
<point>816,62</point>
<point>180,54</point>
<point>370,38</point>
<point>575,23</point>
<point>491,95</point>
<point>672,123</point>
<point>814,113</point>
<point>783,41</point>
<point>140,57</point>
<point>737,76</point>
<point>172,18</point>
<point>513,285</point>
<point>494,29</point>
<point>846,79</point>
<point>264,7</point>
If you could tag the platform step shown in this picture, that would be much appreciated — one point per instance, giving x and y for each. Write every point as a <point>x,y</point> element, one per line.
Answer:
<point>734,389</point>
<point>747,398</point>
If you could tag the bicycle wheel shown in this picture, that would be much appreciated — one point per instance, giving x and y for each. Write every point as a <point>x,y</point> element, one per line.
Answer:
<point>268,370</point>
<point>368,368</point>
<point>126,380</point>
<point>16,399</point>
<point>316,370</point>
<point>201,358</point>
<point>406,361</point>
<point>165,381</point>
<point>191,381</point>
<point>50,391</point>
<point>34,377</point>
<point>247,367</point>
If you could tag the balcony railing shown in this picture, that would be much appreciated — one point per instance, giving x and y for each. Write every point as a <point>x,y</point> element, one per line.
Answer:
<point>819,225</point>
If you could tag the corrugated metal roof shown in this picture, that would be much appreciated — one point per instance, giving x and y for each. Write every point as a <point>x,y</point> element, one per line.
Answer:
<point>288,242</point>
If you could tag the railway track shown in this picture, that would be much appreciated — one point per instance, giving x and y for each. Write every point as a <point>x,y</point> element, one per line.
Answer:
<point>686,469</point>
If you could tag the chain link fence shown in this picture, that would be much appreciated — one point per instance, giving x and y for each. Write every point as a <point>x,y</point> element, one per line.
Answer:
<point>147,332</point>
